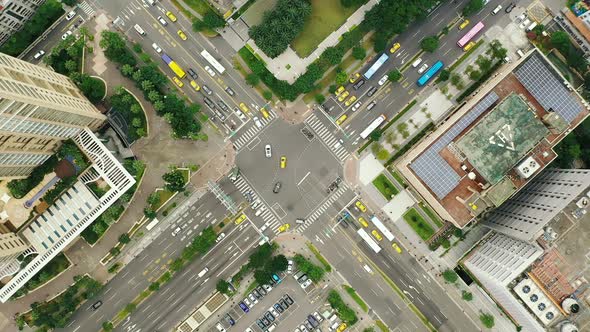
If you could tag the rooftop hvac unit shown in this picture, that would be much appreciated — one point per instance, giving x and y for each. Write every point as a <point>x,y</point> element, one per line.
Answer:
<point>570,305</point>
<point>527,168</point>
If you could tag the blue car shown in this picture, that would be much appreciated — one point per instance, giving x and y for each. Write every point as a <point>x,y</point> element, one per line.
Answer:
<point>276,278</point>
<point>244,307</point>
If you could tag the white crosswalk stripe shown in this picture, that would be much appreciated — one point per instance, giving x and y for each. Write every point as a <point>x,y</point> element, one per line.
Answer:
<point>267,216</point>
<point>243,138</point>
<point>327,137</point>
<point>315,215</point>
<point>85,6</point>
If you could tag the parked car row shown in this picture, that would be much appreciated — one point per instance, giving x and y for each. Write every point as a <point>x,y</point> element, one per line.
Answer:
<point>268,318</point>
<point>302,279</point>
<point>311,323</point>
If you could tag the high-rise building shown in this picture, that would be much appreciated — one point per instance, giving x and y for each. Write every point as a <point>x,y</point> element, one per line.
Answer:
<point>39,108</point>
<point>524,215</point>
<point>14,14</point>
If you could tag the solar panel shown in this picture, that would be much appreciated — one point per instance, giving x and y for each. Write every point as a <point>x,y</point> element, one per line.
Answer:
<point>434,171</point>
<point>547,87</point>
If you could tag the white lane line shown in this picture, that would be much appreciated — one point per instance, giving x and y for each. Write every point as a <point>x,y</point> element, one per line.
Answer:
<point>303,179</point>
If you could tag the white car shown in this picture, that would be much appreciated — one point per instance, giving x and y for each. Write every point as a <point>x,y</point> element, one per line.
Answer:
<point>290,266</point>
<point>70,15</point>
<point>210,71</point>
<point>67,34</point>
<point>176,231</point>
<point>525,23</point>
<point>267,151</point>
<point>267,288</point>
<point>416,63</point>
<point>39,55</point>
<point>252,299</point>
<point>273,312</point>
<point>356,106</point>
<point>156,48</point>
<point>220,237</point>
<point>257,122</point>
<point>240,114</point>
<point>306,283</point>
<point>423,68</point>
<point>247,302</point>
<point>382,80</point>
<point>162,21</point>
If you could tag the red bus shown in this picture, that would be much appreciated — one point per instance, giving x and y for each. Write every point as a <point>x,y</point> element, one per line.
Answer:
<point>470,34</point>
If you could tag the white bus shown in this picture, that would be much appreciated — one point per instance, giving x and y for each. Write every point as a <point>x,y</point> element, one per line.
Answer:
<point>374,125</point>
<point>213,62</point>
<point>382,228</point>
<point>369,240</point>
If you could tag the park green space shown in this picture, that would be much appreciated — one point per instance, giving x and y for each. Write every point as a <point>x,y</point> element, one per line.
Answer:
<point>385,187</point>
<point>418,224</point>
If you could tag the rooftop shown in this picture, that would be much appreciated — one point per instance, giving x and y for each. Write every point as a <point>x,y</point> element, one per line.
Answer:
<point>496,142</point>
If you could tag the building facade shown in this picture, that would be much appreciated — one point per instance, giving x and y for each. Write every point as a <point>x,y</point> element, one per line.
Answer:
<point>39,108</point>
<point>14,14</point>
<point>524,215</point>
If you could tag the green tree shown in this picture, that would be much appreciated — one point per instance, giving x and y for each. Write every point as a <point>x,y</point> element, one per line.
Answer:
<point>174,180</point>
<point>484,63</point>
<point>124,238</point>
<point>561,40</point>
<point>333,55</point>
<point>153,96</point>
<point>222,286</point>
<point>136,122</point>
<point>278,264</point>
<point>252,79</point>
<point>450,276</point>
<point>467,296</point>
<point>129,308</point>
<point>137,47</point>
<point>147,85</point>
<point>334,87</point>
<point>70,3</point>
<point>107,326</point>
<point>213,21</point>
<point>93,88</point>
<point>341,78</point>
<point>153,198</point>
<point>114,251</point>
<point>472,7</point>
<point>262,276</point>
<point>127,70</point>
<point>71,66</point>
<point>177,265</point>
<point>394,75</point>
<point>266,94</point>
<point>376,135</point>
<point>429,44</point>
<point>260,256</point>
<point>154,286</point>
<point>487,320</point>
<point>149,213</point>
<point>444,75</point>
<point>359,53</point>
<point>352,3</point>
<point>115,48</point>
<point>158,105</point>
<point>320,98</point>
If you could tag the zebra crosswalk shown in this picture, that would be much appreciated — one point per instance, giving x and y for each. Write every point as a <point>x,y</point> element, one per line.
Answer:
<point>327,137</point>
<point>270,220</point>
<point>323,207</point>
<point>85,6</point>
<point>243,138</point>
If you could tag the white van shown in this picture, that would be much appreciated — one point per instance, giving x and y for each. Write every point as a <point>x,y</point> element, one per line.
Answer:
<point>151,2</point>
<point>520,53</point>
<point>139,30</point>
<point>202,273</point>
<point>416,63</point>
<point>531,27</point>
<point>497,10</point>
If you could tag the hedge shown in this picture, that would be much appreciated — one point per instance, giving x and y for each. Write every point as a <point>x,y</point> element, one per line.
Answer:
<point>479,82</point>
<point>409,145</point>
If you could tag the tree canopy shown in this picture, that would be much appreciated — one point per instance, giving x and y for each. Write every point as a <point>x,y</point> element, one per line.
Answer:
<point>174,180</point>
<point>472,7</point>
<point>429,44</point>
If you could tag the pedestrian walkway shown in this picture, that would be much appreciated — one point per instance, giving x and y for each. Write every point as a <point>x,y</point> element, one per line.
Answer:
<point>85,6</point>
<point>242,138</point>
<point>310,219</point>
<point>327,137</point>
<point>270,220</point>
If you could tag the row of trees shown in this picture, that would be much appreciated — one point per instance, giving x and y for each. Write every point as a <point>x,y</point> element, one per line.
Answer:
<point>128,107</point>
<point>199,246</point>
<point>314,272</point>
<point>264,264</point>
<point>148,78</point>
<point>343,311</point>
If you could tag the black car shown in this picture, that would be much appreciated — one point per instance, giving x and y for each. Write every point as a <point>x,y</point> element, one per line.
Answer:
<point>344,223</point>
<point>209,102</point>
<point>230,320</point>
<point>314,322</point>
<point>260,324</point>
<point>272,282</point>
<point>192,74</point>
<point>279,308</point>
<point>358,84</point>
<point>206,89</point>
<point>260,290</point>
<point>265,321</point>
<point>222,105</point>
<point>309,326</point>
<point>230,91</point>
<point>510,7</point>
<point>372,91</point>
<point>96,305</point>
<point>257,294</point>
<point>277,187</point>
<point>269,316</point>
<point>283,304</point>
<point>288,299</point>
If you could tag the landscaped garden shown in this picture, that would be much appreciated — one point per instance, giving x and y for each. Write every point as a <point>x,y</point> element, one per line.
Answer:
<point>56,266</point>
<point>385,187</point>
<point>418,224</point>
<point>326,17</point>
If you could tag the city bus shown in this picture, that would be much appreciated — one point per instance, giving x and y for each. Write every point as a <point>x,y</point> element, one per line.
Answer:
<point>470,34</point>
<point>173,65</point>
<point>374,125</point>
<point>430,73</point>
<point>213,62</point>
<point>382,228</point>
<point>369,240</point>
<point>369,73</point>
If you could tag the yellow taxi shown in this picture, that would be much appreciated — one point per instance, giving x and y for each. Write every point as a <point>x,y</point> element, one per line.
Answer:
<point>339,91</point>
<point>284,228</point>
<point>343,96</point>
<point>240,219</point>
<point>244,108</point>
<point>341,328</point>
<point>468,46</point>
<point>181,35</point>
<point>195,86</point>
<point>354,77</point>
<point>376,235</point>
<point>363,222</point>
<point>341,119</point>
<point>396,247</point>
<point>463,24</point>
<point>283,161</point>
<point>361,206</point>
<point>264,113</point>
<point>394,48</point>
<point>178,81</point>
<point>350,101</point>
<point>171,16</point>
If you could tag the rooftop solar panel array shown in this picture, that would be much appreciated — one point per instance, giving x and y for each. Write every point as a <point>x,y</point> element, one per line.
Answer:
<point>548,88</point>
<point>434,171</point>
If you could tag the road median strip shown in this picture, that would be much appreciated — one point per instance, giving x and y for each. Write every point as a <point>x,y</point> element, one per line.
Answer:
<point>356,297</point>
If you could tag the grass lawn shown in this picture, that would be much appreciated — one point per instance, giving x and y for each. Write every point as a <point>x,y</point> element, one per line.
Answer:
<point>319,256</point>
<point>418,224</point>
<point>385,187</point>
<point>397,177</point>
<point>356,298</point>
<point>200,6</point>
<point>164,196</point>
<point>431,215</point>
<point>326,17</point>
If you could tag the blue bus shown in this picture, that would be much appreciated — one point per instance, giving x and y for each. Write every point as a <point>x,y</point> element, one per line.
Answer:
<point>430,73</point>
<point>376,66</point>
